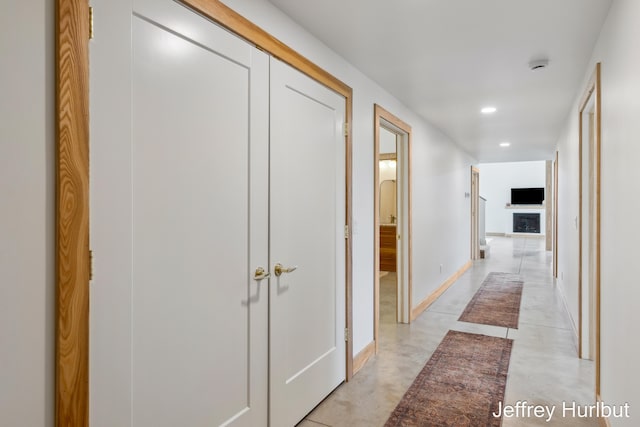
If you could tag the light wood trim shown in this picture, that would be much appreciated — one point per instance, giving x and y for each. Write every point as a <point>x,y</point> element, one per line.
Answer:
<point>548,206</point>
<point>379,114</point>
<point>580,236</point>
<point>72,213</point>
<point>598,148</point>
<point>228,18</point>
<point>594,89</point>
<point>425,303</point>
<point>594,81</point>
<point>410,220</point>
<point>363,356</point>
<point>602,421</point>
<point>556,181</point>
<point>388,156</point>
<point>376,228</point>
<point>475,214</point>
<point>349,241</point>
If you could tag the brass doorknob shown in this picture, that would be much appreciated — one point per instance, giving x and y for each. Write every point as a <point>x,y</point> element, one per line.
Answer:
<point>279,269</point>
<point>260,274</point>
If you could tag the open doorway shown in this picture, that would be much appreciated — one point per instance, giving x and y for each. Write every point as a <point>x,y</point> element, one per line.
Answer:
<point>475,213</point>
<point>392,220</point>
<point>389,223</point>
<point>589,229</point>
<point>555,216</point>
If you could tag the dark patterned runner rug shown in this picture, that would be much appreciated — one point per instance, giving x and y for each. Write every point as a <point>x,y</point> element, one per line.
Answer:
<point>497,302</point>
<point>460,385</point>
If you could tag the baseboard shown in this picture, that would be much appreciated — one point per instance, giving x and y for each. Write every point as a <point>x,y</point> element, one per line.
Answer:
<point>363,356</point>
<point>425,303</point>
<point>603,421</point>
<point>574,328</point>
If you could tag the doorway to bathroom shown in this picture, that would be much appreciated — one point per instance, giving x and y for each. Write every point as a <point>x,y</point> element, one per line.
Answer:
<point>392,221</point>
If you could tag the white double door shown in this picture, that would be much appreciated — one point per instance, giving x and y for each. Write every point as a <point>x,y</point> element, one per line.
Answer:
<point>208,160</point>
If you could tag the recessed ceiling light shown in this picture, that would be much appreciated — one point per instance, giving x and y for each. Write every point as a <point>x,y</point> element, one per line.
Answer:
<point>488,110</point>
<point>505,144</point>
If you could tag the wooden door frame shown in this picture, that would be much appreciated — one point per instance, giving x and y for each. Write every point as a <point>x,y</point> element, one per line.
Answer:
<point>73,260</point>
<point>549,205</point>
<point>475,220</point>
<point>381,115</point>
<point>555,215</point>
<point>593,89</point>
<point>72,213</point>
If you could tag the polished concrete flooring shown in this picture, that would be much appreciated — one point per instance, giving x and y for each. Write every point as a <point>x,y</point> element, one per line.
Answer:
<point>388,298</point>
<point>544,368</point>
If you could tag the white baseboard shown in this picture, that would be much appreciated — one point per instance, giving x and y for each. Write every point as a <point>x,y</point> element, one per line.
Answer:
<point>574,328</point>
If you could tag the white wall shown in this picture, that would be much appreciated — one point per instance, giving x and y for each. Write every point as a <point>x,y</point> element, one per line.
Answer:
<point>496,182</point>
<point>441,176</point>
<point>617,50</point>
<point>27,213</point>
<point>27,296</point>
<point>387,141</point>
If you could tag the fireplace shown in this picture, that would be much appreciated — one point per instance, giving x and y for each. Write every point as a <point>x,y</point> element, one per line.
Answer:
<point>526,223</point>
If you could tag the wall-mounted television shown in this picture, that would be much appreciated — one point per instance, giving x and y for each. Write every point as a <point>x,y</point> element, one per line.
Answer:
<point>527,196</point>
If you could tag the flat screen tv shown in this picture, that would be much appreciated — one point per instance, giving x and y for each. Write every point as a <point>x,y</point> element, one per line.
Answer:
<point>527,196</point>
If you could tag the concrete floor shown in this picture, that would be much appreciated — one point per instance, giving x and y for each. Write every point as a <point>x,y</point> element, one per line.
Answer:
<point>388,298</point>
<point>544,368</point>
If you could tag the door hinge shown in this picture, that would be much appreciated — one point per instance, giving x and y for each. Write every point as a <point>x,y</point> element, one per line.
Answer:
<point>346,334</point>
<point>346,129</point>
<point>398,237</point>
<point>346,231</point>
<point>90,265</point>
<point>90,23</point>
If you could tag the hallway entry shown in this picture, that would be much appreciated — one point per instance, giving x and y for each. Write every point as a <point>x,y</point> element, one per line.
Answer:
<point>218,218</point>
<point>392,220</point>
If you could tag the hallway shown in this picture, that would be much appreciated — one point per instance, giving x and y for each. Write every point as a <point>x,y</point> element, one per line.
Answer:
<point>544,368</point>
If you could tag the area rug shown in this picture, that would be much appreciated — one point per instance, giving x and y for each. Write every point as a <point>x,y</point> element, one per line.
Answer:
<point>497,302</point>
<point>460,385</point>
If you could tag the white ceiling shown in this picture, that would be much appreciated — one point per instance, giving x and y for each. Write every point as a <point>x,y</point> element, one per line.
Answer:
<point>446,59</point>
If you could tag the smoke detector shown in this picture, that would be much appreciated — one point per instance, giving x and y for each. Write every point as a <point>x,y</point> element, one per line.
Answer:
<point>538,64</point>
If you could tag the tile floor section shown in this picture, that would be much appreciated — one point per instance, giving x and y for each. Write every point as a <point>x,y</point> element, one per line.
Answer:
<point>544,368</point>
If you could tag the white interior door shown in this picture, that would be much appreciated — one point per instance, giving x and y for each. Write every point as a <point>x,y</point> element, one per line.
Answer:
<point>307,209</point>
<point>179,192</point>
